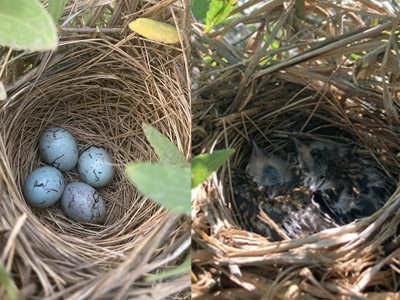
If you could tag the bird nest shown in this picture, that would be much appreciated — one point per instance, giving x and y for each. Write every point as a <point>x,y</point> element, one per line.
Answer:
<point>101,84</point>
<point>341,90</point>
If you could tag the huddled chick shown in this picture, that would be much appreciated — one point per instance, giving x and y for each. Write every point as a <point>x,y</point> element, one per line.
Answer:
<point>276,187</point>
<point>327,187</point>
<point>349,186</point>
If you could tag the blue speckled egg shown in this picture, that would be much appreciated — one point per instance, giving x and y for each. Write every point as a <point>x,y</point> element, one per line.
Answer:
<point>94,167</point>
<point>44,186</point>
<point>82,203</point>
<point>58,148</point>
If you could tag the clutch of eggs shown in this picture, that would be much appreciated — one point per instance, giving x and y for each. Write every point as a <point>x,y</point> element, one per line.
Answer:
<point>58,148</point>
<point>79,200</point>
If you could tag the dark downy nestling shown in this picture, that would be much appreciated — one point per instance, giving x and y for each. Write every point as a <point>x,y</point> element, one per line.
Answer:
<point>271,173</point>
<point>348,185</point>
<point>276,187</point>
<point>326,187</point>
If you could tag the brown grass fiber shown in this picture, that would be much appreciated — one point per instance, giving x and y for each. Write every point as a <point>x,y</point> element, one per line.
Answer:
<point>100,85</point>
<point>310,85</point>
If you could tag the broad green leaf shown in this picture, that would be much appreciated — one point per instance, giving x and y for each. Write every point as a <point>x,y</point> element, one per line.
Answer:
<point>56,8</point>
<point>200,9</point>
<point>155,31</point>
<point>204,165</point>
<point>218,12</point>
<point>169,186</point>
<point>26,25</point>
<point>182,268</point>
<point>7,283</point>
<point>166,151</point>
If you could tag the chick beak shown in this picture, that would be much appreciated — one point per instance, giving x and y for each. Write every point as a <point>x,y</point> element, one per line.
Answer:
<point>301,147</point>
<point>255,150</point>
<point>256,157</point>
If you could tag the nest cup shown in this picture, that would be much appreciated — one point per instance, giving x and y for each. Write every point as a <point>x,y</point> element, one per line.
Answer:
<point>101,93</point>
<point>276,122</point>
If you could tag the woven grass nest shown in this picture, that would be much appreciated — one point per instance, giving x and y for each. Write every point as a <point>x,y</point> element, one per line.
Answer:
<point>101,84</point>
<point>314,88</point>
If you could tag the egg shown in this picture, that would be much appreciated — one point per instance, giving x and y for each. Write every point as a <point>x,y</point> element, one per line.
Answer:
<point>94,167</point>
<point>44,186</point>
<point>58,148</point>
<point>82,203</point>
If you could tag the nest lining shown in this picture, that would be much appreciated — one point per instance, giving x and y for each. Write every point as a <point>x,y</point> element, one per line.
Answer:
<point>101,93</point>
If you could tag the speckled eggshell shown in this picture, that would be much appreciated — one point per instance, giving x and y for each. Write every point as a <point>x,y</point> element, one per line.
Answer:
<point>94,167</point>
<point>82,203</point>
<point>58,148</point>
<point>44,186</point>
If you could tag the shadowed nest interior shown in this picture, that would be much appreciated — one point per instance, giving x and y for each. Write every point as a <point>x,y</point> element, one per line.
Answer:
<point>100,85</point>
<point>311,86</point>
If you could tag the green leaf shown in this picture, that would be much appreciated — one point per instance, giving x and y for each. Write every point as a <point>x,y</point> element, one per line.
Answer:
<point>7,283</point>
<point>169,186</point>
<point>26,25</point>
<point>166,151</point>
<point>355,56</point>
<point>218,12</point>
<point>182,268</point>
<point>204,165</point>
<point>200,9</point>
<point>56,8</point>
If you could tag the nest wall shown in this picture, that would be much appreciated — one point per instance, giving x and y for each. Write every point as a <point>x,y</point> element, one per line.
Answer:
<point>101,89</point>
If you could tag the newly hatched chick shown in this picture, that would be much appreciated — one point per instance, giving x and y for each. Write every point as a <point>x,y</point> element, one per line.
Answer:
<point>271,173</point>
<point>348,185</point>
<point>274,186</point>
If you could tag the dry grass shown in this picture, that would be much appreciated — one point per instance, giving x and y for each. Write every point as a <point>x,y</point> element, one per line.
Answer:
<point>100,85</point>
<point>334,77</point>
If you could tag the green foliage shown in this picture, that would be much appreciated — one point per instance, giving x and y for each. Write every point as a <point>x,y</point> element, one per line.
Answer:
<point>182,268</point>
<point>56,8</point>
<point>218,12</point>
<point>268,60</point>
<point>168,183</point>
<point>355,56</point>
<point>275,44</point>
<point>208,58</point>
<point>204,165</point>
<point>7,283</point>
<point>165,184</point>
<point>200,9</point>
<point>26,25</point>
<point>166,151</point>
